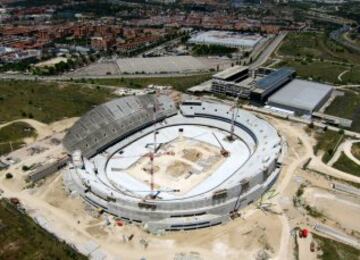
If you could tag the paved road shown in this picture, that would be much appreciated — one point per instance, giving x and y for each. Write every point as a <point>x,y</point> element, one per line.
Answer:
<point>265,55</point>
<point>348,153</point>
<point>345,147</point>
<point>67,77</point>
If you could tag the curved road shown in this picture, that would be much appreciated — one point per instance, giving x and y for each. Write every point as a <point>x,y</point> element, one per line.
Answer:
<point>345,147</point>
<point>348,153</point>
<point>41,128</point>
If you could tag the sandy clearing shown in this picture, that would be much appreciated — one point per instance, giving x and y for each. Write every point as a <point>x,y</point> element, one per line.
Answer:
<point>51,62</point>
<point>242,238</point>
<point>43,130</point>
<point>341,208</point>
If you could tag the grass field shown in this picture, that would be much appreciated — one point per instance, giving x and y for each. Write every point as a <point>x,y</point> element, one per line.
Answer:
<point>14,133</point>
<point>353,37</point>
<point>45,101</point>
<point>346,165</point>
<point>179,83</point>
<point>355,150</point>
<point>315,70</point>
<point>327,142</point>
<point>316,46</point>
<point>352,76</point>
<point>51,101</point>
<point>305,44</point>
<point>317,57</point>
<point>347,106</point>
<point>22,238</point>
<point>333,250</point>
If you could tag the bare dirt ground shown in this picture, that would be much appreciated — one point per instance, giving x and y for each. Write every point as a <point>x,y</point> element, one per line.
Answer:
<point>192,155</point>
<point>341,207</point>
<point>152,66</point>
<point>181,169</point>
<point>243,238</point>
<point>300,149</point>
<point>51,62</point>
<point>256,233</point>
<point>304,248</point>
<point>44,130</point>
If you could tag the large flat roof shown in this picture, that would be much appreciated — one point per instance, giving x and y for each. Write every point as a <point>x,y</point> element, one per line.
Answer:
<point>225,74</point>
<point>274,77</point>
<point>301,94</point>
<point>227,38</point>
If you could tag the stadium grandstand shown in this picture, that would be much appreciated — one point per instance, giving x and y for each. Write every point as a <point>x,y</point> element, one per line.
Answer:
<point>114,121</point>
<point>141,159</point>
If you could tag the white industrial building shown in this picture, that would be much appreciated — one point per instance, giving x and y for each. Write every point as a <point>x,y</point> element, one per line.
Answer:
<point>301,96</point>
<point>243,41</point>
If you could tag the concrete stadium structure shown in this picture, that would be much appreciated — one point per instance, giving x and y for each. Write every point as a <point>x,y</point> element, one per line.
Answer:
<point>104,142</point>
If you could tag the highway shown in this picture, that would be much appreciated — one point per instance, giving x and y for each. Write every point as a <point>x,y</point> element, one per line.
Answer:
<point>265,55</point>
<point>67,77</point>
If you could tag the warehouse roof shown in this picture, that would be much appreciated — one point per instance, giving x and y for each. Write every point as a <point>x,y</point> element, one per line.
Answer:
<point>225,74</point>
<point>301,94</point>
<point>274,77</point>
<point>227,38</point>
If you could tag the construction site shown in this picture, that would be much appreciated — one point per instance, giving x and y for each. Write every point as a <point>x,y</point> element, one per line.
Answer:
<point>175,170</point>
<point>117,182</point>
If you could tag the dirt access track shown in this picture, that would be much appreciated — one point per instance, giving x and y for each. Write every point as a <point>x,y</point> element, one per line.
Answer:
<point>256,233</point>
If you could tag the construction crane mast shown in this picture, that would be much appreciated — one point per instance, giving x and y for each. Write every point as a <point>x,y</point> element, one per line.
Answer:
<point>234,114</point>
<point>223,151</point>
<point>153,152</point>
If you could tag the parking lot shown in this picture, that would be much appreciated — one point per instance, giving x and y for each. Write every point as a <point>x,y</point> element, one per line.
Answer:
<point>154,65</point>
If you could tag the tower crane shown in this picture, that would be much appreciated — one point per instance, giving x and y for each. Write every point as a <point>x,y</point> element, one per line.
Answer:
<point>234,114</point>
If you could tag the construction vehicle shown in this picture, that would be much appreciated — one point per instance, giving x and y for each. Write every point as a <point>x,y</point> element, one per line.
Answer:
<point>155,194</point>
<point>15,201</point>
<point>303,233</point>
<point>312,246</point>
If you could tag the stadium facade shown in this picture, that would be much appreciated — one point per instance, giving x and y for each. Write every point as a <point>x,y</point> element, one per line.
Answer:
<point>111,130</point>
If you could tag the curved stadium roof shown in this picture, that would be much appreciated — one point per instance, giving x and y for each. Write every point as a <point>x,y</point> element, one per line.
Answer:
<point>114,120</point>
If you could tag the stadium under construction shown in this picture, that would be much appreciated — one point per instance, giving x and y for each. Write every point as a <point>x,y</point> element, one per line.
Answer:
<point>166,168</point>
